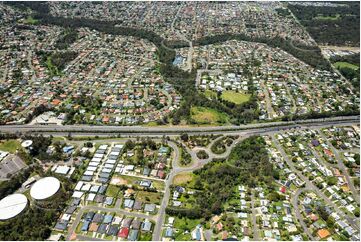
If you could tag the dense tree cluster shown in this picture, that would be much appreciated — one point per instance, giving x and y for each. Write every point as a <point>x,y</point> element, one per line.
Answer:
<point>331,25</point>
<point>309,54</point>
<point>251,157</point>
<point>10,186</point>
<point>60,59</point>
<point>353,59</point>
<point>353,75</point>
<point>40,144</point>
<point>68,37</point>
<point>202,154</point>
<point>349,111</point>
<point>32,225</point>
<point>37,111</point>
<point>247,164</point>
<point>36,221</point>
<point>56,61</point>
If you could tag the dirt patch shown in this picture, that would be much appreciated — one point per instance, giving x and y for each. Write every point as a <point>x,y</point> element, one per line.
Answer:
<point>182,178</point>
<point>118,181</point>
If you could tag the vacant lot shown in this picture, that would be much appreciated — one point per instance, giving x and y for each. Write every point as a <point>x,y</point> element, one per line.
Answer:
<point>235,97</point>
<point>182,178</point>
<point>30,20</point>
<point>202,115</point>
<point>149,197</point>
<point>10,145</point>
<point>112,191</point>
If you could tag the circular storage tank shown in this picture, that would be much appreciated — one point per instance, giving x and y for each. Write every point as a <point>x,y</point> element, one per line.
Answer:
<point>44,188</point>
<point>27,143</point>
<point>12,205</point>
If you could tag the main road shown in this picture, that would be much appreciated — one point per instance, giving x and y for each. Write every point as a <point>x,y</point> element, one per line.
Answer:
<point>176,130</point>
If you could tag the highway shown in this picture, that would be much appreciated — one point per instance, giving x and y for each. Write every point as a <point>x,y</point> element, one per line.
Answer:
<point>175,130</point>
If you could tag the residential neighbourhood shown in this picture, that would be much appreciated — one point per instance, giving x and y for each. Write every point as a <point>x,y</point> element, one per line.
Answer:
<point>282,84</point>
<point>179,121</point>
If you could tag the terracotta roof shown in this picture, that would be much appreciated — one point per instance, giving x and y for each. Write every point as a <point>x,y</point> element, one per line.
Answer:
<point>323,233</point>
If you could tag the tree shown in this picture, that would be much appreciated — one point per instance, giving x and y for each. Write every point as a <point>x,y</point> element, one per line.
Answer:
<point>274,197</point>
<point>331,181</point>
<point>184,137</point>
<point>357,212</point>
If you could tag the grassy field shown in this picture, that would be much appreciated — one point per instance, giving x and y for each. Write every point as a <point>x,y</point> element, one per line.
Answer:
<point>201,115</point>
<point>345,64</point>
<point>185,223</point>
<point>10,145</point>
<point>145,236</point>
<point>182,178</point>
<point>149,197</point>
<point>322,17</point>
<point>30,20</point>
<point>52,69</point>
<point>235,97</point>
<point>112,191</point>
<point>132,180</point>
<point>210,94</point>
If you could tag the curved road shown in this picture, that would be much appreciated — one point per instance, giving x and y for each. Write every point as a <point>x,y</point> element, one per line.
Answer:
<point>299,216</point>
<point>96,208</point>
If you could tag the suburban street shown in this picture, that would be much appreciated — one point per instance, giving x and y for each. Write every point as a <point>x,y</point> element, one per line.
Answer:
<point>311,186</point>
<point>299,217</point>
<point>103,209</point>
<point>343,168</point>
<point>255,228</point>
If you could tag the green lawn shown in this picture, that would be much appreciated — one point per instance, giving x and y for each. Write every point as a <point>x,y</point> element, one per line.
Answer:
<point>183,178</point>
<point>201,115</point>
<point>132,180</point>
<point>180,236</point>
<point>112,191</point>
<point>52,69</point>
<point>10,145</point>
<point>149,197</point>
<point>235,97</point>
<point>210,94</point>
<point>185,223</point>
<point>145,237</point>
<point>322,17</point>
<point>345,64</point>
<point>30,20</point>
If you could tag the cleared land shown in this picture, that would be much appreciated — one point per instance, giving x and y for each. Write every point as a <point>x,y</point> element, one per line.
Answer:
<point>182,178</point>
<point>30,20</point>
<point>149,197</point>
<point>10,146</point>
<point>235,97</point>
<point>202,115</point>
<point>323,17</point>
<point>210,94</point>
<point>112,191</point>
<point>345,64</point>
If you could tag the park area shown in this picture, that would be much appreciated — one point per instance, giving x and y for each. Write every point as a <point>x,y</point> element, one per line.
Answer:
<point>201,115</point>
<point>235,97</point>
<point>182,178</point>
<point>10,146</point>
<point>342,64</point>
